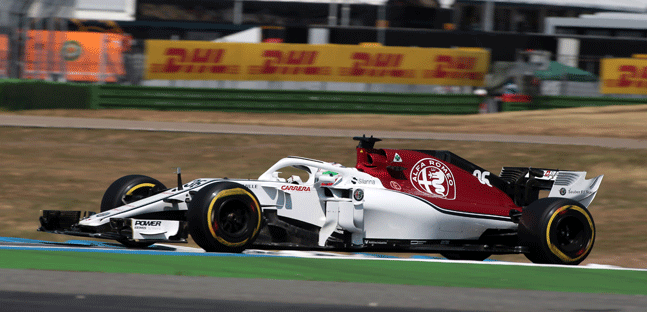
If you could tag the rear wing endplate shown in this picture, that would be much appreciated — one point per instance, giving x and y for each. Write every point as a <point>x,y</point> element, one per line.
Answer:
<point>575,186</point>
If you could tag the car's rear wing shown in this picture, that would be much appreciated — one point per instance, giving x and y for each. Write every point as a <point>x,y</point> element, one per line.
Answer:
<point>574,185</point>
<point>525,184</point>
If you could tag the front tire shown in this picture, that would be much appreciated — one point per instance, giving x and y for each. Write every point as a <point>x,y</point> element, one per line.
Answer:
<point>126,190</point>
<point>557,231</point>
<point>224,217</point>
<point>129,189</point>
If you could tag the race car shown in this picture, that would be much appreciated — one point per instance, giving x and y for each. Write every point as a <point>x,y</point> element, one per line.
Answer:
<point>392,200</point>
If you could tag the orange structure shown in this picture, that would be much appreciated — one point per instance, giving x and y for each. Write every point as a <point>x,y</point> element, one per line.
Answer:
<point>80,56</point>
<point>4,55</point>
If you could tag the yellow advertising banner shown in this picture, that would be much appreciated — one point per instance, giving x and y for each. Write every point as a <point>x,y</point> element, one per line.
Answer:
<point>198,60</point>
<point>623,76</point>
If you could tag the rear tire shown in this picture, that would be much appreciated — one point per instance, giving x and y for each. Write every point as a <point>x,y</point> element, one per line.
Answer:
<point>224,217</point>
<point>557,231</point>
<point>129,189</point>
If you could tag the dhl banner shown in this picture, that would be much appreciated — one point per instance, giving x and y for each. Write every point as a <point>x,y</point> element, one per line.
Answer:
<point>199,60</point>
<point>87,55</point>
<point>623,76</point>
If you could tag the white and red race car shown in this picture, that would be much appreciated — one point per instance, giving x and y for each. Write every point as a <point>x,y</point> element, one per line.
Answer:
<point>395,200</point>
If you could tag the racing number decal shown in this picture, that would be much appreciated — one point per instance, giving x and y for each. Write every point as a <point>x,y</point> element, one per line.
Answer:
<point>482,177</point>
<point>232,192</point>
<point>581,253</point>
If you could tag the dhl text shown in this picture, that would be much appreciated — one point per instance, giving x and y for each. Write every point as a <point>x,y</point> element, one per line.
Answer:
<point>289,63</point>
<point>377,65</point>
<point>180,60</point>
<point>458,67</point>
<point>630,76</point>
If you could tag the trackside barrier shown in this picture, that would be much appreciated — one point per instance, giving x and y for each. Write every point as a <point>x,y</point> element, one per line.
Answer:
<point>553,102</point>
<point>33,94</point>
<point>284,101</point>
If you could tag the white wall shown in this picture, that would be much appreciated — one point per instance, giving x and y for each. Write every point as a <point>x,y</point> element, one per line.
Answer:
<point>112,10</point>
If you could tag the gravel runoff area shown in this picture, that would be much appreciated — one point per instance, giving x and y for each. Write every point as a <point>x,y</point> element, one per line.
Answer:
<point>114,124</point>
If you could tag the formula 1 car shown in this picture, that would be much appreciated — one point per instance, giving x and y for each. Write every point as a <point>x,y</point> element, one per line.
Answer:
<point>393,200</point>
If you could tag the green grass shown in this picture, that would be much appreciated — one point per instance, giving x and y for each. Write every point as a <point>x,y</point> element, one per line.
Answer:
<point>563,279</point>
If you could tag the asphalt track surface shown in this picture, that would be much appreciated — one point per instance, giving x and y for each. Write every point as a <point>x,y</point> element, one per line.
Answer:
<point>27,290</point>
<point>116,124</point>
<point>31,290</point>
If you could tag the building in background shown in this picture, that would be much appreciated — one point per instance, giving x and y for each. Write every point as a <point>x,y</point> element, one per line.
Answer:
<point>603,24</point>
<point>530,15</point>
<point>105,10</point>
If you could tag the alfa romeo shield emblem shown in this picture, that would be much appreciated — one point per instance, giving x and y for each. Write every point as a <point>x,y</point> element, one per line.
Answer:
<point>433,177</point>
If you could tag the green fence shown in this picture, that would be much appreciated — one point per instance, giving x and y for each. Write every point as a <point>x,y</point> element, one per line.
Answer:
<point>18,95</point>
<point>552,102</point>
<point>31,94</point>
<point>284,101</point>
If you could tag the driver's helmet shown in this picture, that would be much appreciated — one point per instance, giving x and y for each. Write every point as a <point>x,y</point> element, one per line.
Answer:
<point>331,173</point>
<point>294,179</point>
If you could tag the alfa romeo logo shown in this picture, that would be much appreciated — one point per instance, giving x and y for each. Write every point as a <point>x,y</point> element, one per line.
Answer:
<point>433,177</point>
<point>358,194</point>
<point>71,50</point>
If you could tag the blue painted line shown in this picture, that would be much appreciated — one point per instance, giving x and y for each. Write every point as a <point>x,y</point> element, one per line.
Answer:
<point>426,257</point>
<point>92,243</point>
<point>77,242</point>
<point>377,255</point>
<point>138,252</point>
<point>21,240</point>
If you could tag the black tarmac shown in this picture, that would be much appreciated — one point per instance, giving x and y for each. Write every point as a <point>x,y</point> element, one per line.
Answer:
<point>33,290</point>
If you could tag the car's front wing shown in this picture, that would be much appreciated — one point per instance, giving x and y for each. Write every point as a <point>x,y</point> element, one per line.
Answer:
<point>153,231</point>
